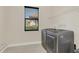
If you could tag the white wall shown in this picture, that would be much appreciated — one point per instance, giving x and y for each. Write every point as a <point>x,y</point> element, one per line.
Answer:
<point>66,18</point>
<point>3,42</point>
<point>1,22</point>
<point>12,27</point>
<point>14,31</point>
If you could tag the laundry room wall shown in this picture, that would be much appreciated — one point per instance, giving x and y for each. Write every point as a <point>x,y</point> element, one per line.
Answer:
<point>1,22</point>
<point>12,27</point>
<point>3,42</point>
<point>14,18</point>
<point>66,17</point>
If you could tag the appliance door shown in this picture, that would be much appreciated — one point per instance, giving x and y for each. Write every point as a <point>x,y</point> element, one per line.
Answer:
<point>51,43</point>
<point>65,43</point>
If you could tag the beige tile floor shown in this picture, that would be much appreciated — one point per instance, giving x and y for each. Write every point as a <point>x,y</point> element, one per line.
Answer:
<point>36,48</point>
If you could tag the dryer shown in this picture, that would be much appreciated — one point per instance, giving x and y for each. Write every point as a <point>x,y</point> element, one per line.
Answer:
<point>58,40</point>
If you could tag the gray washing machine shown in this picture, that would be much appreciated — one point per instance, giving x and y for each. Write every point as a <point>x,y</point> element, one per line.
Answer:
<point>58,40</point>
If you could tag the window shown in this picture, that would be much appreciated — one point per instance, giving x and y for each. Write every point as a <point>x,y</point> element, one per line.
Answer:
<point>31,18</point>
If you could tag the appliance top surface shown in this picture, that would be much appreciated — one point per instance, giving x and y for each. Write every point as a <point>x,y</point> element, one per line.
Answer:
<point>56,30</point>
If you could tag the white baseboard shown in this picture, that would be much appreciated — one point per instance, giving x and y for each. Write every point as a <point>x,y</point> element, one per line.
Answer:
<point>3,45</point>
<point>21,44</point>
<point>3,49</point>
